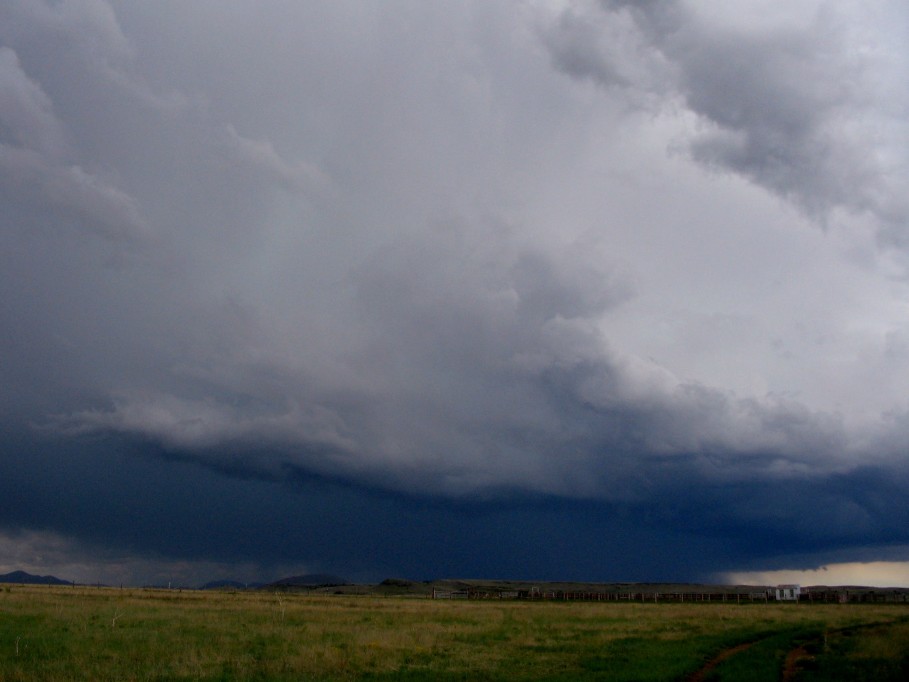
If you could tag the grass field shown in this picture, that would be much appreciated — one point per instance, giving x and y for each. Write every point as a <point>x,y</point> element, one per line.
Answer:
<point>63,633</point>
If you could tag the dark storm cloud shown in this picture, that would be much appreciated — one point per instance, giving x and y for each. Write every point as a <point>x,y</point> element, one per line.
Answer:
<point>475,368</point>
<point>288,285</point>
<point>35,173</point>
<point>122,513</point>
<point>798,108</point>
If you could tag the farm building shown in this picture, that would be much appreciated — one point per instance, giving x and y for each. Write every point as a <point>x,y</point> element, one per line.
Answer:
<point>788,592</point>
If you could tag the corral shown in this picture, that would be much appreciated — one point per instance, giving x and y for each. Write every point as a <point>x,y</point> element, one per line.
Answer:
<point>644,593</point>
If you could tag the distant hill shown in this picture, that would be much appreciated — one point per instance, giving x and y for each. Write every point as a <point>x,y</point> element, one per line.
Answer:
<point>309,580</point>
<point>23,578</point>
<point>230,585</point>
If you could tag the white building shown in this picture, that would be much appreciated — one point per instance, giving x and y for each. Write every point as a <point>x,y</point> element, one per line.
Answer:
<point>788,592</point>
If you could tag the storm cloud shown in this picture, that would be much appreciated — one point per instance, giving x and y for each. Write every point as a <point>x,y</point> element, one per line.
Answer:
<point>795,97</point>
<point>634,269</point>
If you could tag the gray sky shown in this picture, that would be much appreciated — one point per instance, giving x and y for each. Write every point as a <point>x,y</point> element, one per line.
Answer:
<point>636,268</point>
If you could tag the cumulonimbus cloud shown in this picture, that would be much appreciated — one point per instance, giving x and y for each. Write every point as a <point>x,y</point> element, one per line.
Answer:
<point>370,294</point>
<point>300,280</point>
<point>804,109</point>
<point>35,170</point>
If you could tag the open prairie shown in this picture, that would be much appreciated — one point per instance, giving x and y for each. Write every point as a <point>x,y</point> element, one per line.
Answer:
<point>65,633</point>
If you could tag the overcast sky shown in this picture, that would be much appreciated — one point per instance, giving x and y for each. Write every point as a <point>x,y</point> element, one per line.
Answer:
<point>516,288</point>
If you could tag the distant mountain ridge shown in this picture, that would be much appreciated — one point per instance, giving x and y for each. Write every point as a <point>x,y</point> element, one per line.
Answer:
<point>309,580</point>
<point>23,578</point>
<point>230,585</point>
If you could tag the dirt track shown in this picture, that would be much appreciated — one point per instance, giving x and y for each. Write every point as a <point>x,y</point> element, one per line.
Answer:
<point>791,665</point>
<point>701,674</point>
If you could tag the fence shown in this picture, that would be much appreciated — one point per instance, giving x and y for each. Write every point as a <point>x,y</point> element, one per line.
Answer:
<point>563,595</point>
<point>731,596</point>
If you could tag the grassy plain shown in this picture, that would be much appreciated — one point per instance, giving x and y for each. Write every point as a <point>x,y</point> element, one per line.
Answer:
<point>64,633</point>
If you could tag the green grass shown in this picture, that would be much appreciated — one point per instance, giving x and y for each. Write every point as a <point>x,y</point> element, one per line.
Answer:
<point>878,652</point>
<point>52,633</point>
